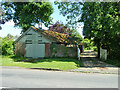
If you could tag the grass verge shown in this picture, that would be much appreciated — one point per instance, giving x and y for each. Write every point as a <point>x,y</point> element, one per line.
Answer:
<point>51,63</point>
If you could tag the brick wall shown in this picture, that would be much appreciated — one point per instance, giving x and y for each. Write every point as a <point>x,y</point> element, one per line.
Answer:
<point>20,49</point>
<point>47,49</point>
<point>51,50</point>
<point>62,51</point>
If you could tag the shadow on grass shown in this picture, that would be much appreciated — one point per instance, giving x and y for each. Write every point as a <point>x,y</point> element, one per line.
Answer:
<point>30,60</point>
<point>18,59</point>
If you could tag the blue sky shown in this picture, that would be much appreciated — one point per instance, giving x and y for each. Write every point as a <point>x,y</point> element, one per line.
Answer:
<point>8,27</point>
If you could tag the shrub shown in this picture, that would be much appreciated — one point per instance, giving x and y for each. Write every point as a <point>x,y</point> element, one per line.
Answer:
<point>89,44</point>
<point>7,45</point>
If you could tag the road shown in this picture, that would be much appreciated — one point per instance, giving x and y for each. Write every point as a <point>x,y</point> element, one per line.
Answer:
<point>27,78</point>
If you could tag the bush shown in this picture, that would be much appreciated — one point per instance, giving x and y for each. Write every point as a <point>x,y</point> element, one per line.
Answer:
<point>89,44</point>
<point>95,48</point>
<point>7,45</point>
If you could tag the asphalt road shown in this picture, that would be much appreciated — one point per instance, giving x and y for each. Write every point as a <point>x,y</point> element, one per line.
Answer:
<point>27,78</point>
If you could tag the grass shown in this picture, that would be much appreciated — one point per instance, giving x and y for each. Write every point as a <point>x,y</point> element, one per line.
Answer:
<point>51,63</point>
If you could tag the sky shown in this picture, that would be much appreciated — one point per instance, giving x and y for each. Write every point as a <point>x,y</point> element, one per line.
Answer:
<point>8,27</point>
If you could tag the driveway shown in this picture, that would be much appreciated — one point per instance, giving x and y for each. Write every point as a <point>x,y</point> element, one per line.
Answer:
<point>27,78</point>
<point>89,59</point>
<point>92,64</point>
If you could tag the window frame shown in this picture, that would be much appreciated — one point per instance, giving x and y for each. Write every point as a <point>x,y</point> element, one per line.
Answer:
<point>28,41</point>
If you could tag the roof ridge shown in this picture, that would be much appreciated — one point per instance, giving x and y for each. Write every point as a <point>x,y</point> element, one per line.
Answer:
<point>48,30</point>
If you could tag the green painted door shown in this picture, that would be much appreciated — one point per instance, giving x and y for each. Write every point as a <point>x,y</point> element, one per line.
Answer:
<point>35,50</point>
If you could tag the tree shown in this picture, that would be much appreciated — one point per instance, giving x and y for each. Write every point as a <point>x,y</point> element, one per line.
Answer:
<point>89,44</point>
<point>101,21</point>
<point>7,45</point>
<point>60,27</point>
<point>70,9</point>
<point>25,14</point>
<point>2,20</point>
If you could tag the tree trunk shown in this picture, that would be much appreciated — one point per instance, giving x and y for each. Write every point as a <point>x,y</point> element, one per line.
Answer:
<point>98,46</point>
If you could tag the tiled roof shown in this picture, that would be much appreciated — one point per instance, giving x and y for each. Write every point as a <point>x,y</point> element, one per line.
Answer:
<point>58,37</point>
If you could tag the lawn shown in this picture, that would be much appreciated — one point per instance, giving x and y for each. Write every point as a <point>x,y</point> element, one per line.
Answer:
<point>51,63</point>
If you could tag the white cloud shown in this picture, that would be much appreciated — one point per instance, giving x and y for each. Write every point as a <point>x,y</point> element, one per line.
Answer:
<point>10,23</point>
<point>8,28</point>
<point>80,30</point>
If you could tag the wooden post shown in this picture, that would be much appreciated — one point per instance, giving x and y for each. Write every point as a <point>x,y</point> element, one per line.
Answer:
<point>78,50</point>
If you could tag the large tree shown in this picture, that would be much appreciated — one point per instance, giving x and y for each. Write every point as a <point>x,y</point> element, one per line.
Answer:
<point>101,21</point>
<point>61,28</point>
<point>2,20</point>
<point>25,14</point>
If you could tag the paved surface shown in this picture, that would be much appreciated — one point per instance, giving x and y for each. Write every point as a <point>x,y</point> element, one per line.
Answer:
<point>105,70</point>
<point>27,78</point>
<point>92,64</point>
<point>89,59</point>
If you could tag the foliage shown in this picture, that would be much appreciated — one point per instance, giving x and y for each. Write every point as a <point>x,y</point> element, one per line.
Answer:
<point>86,43</point>
<point>62,50</point>
<point>101,21</point>
<point>89,44</point>
<point>71,10</point>
<point>26,14</point>
<point>7,45</point>
<point>76,35</point>
<point>53,48</point>
<point>51,63</point>
<point>105,18</point>
<point>59,27</point>
<point>2,20</point>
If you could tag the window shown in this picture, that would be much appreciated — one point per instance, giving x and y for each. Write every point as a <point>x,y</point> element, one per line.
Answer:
<point>28,34</point>
<point>28,42</point>
<point>39,36</point>
<point>39,41</point>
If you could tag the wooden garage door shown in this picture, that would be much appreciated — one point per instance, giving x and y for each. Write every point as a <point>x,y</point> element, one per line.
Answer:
<point>35,50</point>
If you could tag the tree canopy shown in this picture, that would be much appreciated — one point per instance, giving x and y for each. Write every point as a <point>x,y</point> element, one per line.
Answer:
<point>101,21</point>
<point>25,14</point>
<point>61,28</point>
<point>2,20</point>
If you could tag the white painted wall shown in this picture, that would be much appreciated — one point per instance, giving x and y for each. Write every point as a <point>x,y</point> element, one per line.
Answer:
<point>34,50</point>
<point>34,37</point>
